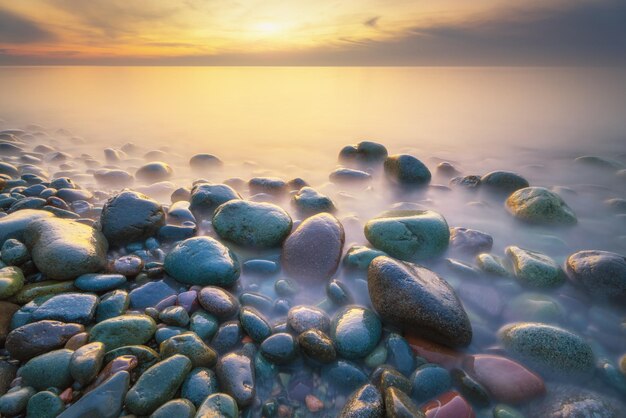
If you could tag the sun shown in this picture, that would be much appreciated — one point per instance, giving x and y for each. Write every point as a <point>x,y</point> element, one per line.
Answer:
<point>268,28</point>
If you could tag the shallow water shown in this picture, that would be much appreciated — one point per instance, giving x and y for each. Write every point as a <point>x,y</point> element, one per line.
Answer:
<point>292,122</point>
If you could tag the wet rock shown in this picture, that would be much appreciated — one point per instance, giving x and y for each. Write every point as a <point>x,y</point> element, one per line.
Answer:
<point>503,182</point>
<point>174,315</point>
<point>406,170</point>
<point>447,169</point>
<point>95,282</point>
<point>150,294</point>
<point>470,241</point>
<point>157,385</point>
<point>199,383</point>
<point>131,217</point>
<point>428,381</point>
<point>113,178</point>
<point>491,264</point>
<point>68,307</point>
<point>317,345</point>
<point>128,265</point>
<point>235,374</point>
<point>534,269</point>
<point>355,331</point>
<point>360,257</point>
<point>14,253</point>
<point>252,224</point>
<point>571,401</point>
<point>227,337</point>
<point>7,310</point>
<point>7,374</point>
<point>48,370</point>
<point>408,295</point>
<point>349,176</point>
<point>112,304</point>
<point>309,202</point>
<point>175,408</point>
<point>270,185</point>
<point>201,162</point>
<point>203,324</point>
<point>448,405</point>
<point>261,267</point>
<point>365,152</point>
<point>44,404</point>
<point>313,251</point>
<point>205,198</point>
<point>550,349</point>
<point>123,330</point>
<point>399,354</point>
<point>254,324</point>
<point>280,348</point>
<point>11,281</point>
<point>218,405</point>
<point>202,261</point>
<point>601,274</point>
<point>40,337</point>
<point>409,234</point>
<point>191,346</point>
<point>541,206</point>
<point>15,401</point>
<point>400,405</point>
<point>154,172</point>
<point>302,318</point>
<point>218,302</point>
<point>366,402</point>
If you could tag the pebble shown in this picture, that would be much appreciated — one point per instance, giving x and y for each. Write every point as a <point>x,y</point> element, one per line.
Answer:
<point>235,374</point>
<point>535,269</point>
<point>365,152</point>
<point>470,241</point>
<point>39,337</point>
<point>601,274</point>
<point>279,348</point>
<point>355,332</point>
<point>175,408</point>
<point>302,318</point>
<point>44,404</point>
<point>154,172</point>
<point>317,345</point>
<point>130,217</point>
<point>123,330</point>
<point>218,405</point>
<point>406,170</point>
<point>367,401</point>
<point>199,383</point>
<point>86,362</point>
<point>503,182</point>
<point>310,202</point>
<point>540,206</point>
<point>218,302</point>
<point>105,401</point>
<point>448,405</point>
<point>48,370</point>
<point>95,282</point>
<point>11,281</point>
<point>205,198</point>
<point>191,346</point>
<point>399,405</point>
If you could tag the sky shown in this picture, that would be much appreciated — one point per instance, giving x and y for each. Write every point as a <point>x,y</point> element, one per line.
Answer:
<point>313,32</point>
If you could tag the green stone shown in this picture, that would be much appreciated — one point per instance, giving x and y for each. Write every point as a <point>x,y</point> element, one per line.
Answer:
<point>86,362</point>
<point>534,269</point>
<point>49,370</point>
<point>15,401</point>
<point>123,330</point>
<point>541,206</point>
<point>45,288</point>
<point>199,383</point>
<point>218,405</point>
<point>190,345</point>
<point>44,405</point>
<point>11,281</point>
<point>176,408</point>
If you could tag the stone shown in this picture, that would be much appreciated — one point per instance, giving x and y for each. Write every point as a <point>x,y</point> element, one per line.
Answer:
<point>344,375</point>
<point>205,198</point>
<point>48,370</point>
<point>203,324</point>
<point>105,401</point>
<point>399,354</point>
<point>157,385</point>
<point>175,408</point>
<point>227,337</point>
<point>174,315</point>
<point>409,234</point>
<point>360,257</point>
<point>191,346</point>
<point>535,269</point>
<point>14,252</point>
<point>112,304</point>
<point>7,310</point>
<point>601,274</point>
<point>123,330</point>
<point>366,402</point>
<point>236,377</point>
<point>406,170</point>
<point>202,261</point>
<point>355,331</point>
<point>128,265</point>
<point>302,318</point>
<point>317,345</point>
<point>349,176</point>
<point>269,185</point>
<point>150,294</point>
<point>254,324</point>
<point>448,405</point>
<point>539,205</point>
<point>130,217</point>
<point>365,152</point>
<point>252,224</point>
<point>68,307</point>
<point>218,302</point>
<point>129,358</point>
<point>8,370</point>
<point>218,405</point>
<point>113,178</point>
<point>279,348</point>
<point>491,264</point>
<point>313,251</point>
<point>154,172</point>
<point>95,282</point>
<point>408,295</point>
<point>400,405</point>
<point>11,281</point>
<point>470,241</point>
<point>44,404</point>
<point>429,381</point>
<point>310,202</point>
<point>15,401</point>
<point>503,182</point>
<point>86,362</point>
<point>199,383</point>
<point>548,348</point>
<point>572,401</point>
<point>204,162</point>
<point>38,338</point>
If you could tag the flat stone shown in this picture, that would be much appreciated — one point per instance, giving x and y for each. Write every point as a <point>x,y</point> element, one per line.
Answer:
<point>68,307</point>
<point>123,330</point>
<point>40,337</point>
<point>48,370</point>
<point>105,401</point>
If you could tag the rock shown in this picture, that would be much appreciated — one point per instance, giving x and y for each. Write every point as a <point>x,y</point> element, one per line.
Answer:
<point>218,302</point>
<point>175,408</point>
<point>541,206</point>
<point>105,401</point>
<point>150,294</point>
<point>356,332</point>
<point>399,354</point>
<point>366,402</point>
<point>113,178</point>
<point>506,380</point>
<point>552,350</point>
<point>191,346</point>
<point>313,251</point>
<point>203,162</point>
<point>409,234</point>
<point>123,330</point>
<point>344,375</point>
<point>205,198</point>
<point>7,310</point>
<point>218,405</point>
<point>429,381</point>
<point>228,335</point>
<point>446,168</point>
<point>48,370</point>
<point>131,217</point>
<point>467,182</point>
<point>601,274</point>
<point>365,152</point>
<point>317,345</point>
<point>154,172</point>
<point>38,338</point>
<point>349,176</point>
<point>68,307</point>
<point>360,257</point>
<point>95,282</point>
<point>11,281</point>
<point>174,315</point>
<point>505,411</point>
<point>313,404</point>
<point>128,265</point>
<point>86,362</point>
<point>254,324</point>
<point>269,185</point>
<point>199,383</point>
<point>129,359</point>
<point>14,253</point>
<point>112,304</point>
<point>491,264</point>
<point>310,202</point>
<point>302,318</point>
<point>535,269</point>
<point>280,348</point>
<point>252,224</point>
<point>572,401</point>
<point>203,324</point>
<point>406,170</point>
<point>44,404</point>
<point>15,401</point>
<point>470,241</point>
<point>408,295</point>
<point>448,405</point>
<point>616,205</point>
<point>503,182</point>
<point>235,374</point>
<point>157,385</point>
<point>7,373</point>
<point>400,405</point>
<point>202,261</point>
<point>599,162</point>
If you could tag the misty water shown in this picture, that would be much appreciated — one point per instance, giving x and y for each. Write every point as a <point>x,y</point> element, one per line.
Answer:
<point>292,122</point>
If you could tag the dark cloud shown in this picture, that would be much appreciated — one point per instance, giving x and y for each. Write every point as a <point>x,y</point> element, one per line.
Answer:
<point>15,29</point>
<point>373,22</point>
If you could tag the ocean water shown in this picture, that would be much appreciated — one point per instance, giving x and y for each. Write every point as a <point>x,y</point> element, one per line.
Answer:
<point>292,122</point>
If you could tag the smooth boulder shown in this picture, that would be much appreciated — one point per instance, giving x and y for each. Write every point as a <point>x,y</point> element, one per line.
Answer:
<point>539,205</point>
<point>601,274</point>
<point>131,217</point>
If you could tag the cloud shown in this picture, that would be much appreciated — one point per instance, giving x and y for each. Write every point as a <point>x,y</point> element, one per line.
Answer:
<point>373,22</point>
<point>15,29</point>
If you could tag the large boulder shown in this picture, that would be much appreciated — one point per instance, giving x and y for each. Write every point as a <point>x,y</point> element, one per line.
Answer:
<point>539,205</point>
<point>601,273</point>
<point>131,217</point>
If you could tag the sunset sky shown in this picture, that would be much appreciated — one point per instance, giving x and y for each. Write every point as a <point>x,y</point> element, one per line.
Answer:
<point>319,32</point>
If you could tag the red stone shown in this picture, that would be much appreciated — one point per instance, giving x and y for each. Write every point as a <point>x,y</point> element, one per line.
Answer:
<point>67,395</point>
<point>448,405</point>
<point>313,404</point>
<point>434,353</point>
<point>118,364</point>
<point>506,380</point>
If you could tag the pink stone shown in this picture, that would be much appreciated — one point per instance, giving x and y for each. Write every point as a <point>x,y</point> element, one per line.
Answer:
<point>506,380</point>
<point>188,300</point>
<point>313,404</point>
<point>449,405</point>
